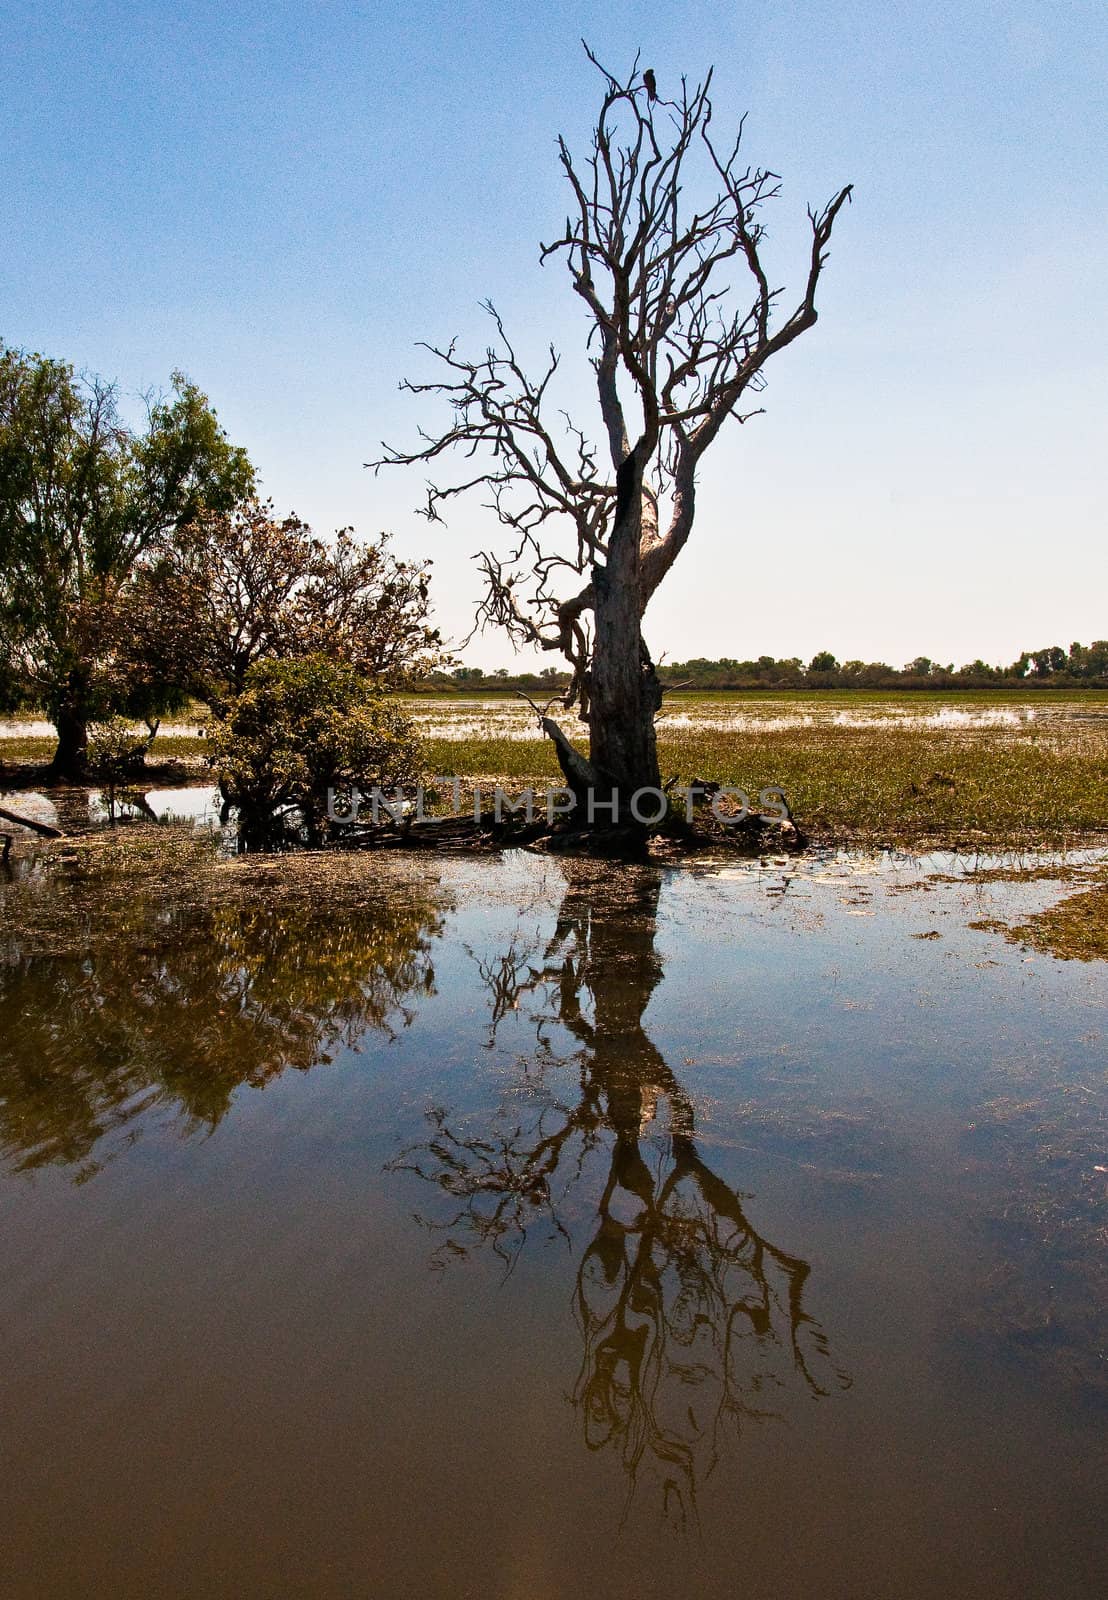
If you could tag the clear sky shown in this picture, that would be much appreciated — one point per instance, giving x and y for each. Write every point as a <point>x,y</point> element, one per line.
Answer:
<point>280,198</point>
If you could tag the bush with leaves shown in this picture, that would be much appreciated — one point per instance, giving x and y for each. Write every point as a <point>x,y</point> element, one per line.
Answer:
<point>115,757</point>
<point>243,586</point>
<point>301,728</point>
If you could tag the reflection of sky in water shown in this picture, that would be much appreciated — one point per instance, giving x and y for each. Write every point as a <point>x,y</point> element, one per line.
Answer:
<point>619,1219</point>
<point>196,803</point>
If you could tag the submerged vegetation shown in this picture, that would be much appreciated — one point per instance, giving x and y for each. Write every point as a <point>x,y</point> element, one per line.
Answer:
<point>1075,929</point>
<point>1038,1147</point>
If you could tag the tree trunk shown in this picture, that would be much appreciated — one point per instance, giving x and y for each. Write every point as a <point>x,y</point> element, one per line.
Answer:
<point>43,829</point>
<point>70,762</point>
<point>624,695</point>
<point>625,698</point>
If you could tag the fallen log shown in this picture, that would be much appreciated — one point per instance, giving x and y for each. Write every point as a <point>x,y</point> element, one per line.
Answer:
<point>433,833</point>
<point>43,829</point>
<point>487,832</point>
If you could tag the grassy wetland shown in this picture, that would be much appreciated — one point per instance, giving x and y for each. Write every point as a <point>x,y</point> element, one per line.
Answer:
<point>905,769</point>
<point>712,1176</point>
<point>997,770</point>
<point>980,774</point>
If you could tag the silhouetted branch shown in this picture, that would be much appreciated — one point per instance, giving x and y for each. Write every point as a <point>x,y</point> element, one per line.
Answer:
<point>658,282</point>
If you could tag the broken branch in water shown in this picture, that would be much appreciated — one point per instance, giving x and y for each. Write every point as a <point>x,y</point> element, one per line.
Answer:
<point>43,829</point>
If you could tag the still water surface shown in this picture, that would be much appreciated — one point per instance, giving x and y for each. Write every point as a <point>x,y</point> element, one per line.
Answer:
<point>537,1229</point>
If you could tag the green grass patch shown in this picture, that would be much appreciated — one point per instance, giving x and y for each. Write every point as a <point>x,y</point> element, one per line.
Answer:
<point>895,780</point>
<point>887,784</point>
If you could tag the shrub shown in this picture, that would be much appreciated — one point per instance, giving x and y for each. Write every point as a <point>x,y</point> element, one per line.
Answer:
<point>115,756</point>
<point>301,728</point>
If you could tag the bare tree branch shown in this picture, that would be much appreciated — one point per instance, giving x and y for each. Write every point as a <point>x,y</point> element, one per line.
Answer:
<point>682,321</point>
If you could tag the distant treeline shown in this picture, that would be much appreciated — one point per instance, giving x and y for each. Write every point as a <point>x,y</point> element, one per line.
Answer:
<point>1079,667</point>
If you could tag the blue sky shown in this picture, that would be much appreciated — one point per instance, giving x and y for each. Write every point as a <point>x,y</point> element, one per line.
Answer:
<point>282,198</point>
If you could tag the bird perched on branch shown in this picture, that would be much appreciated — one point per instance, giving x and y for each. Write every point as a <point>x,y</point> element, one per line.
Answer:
<point>651,83</point>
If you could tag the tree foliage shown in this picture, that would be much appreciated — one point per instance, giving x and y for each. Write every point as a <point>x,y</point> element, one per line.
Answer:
<point>84,501</point>
<point>1082,666</point>
<point>241,586</point>
<point>302,728</point>
<point>137,569</point>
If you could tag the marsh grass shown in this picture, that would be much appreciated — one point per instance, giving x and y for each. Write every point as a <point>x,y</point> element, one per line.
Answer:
<point>893,778</point>
<point>123,884</point>
<point>1075,928</point>
<point>874,785</point>
<point>181,740</point>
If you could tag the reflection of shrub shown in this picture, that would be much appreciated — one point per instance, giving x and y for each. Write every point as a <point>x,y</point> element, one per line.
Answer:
<point>123,1010</point>
<point>302,727</point>
<point>115,755</point>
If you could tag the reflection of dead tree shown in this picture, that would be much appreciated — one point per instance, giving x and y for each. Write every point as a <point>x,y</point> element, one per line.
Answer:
<point>691,1321</point>
<point>507,980</point>
<point>503,1183</point>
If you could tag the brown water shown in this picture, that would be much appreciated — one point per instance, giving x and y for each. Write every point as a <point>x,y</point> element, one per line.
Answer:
<point>533,1229</point>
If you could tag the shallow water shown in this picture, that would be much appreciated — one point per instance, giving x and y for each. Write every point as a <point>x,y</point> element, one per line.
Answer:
<point>39,728</point>
<point>81,810</point>
<point>534,1229</point>
<point>503,717</point>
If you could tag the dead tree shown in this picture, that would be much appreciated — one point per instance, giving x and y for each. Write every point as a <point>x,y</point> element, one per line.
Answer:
<point>595,522</point>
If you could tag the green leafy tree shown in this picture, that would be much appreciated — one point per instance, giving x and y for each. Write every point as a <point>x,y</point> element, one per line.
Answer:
<point>1096,659</point>
<point>300,729</point>
<point>1049,661</point>
<point>823,661</point>
<point>84,501</point>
